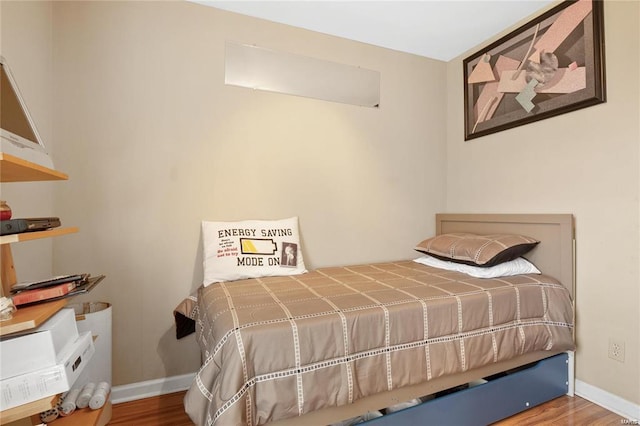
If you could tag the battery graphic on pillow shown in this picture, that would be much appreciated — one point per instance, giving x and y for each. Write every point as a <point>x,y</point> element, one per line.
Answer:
<point>258,246</point>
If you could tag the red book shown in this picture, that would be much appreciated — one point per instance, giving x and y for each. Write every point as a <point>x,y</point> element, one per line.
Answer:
<point>40,294</point>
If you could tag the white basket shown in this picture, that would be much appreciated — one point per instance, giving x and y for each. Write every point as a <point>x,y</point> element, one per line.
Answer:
<point>96,317</point>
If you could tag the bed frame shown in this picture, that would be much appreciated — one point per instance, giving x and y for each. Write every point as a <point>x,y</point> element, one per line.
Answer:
<point>549,374</point>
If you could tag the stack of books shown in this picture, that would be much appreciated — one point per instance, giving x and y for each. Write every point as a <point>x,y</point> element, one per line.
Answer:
<point>59,287</point>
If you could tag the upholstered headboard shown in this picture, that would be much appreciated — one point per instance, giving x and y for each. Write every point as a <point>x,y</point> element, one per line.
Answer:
<point>554,255</point>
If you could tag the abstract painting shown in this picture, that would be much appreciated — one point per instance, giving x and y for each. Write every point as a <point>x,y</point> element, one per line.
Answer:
<point>552,65</point>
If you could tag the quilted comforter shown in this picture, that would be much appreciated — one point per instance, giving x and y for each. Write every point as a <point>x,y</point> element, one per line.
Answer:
<point>279,347</point>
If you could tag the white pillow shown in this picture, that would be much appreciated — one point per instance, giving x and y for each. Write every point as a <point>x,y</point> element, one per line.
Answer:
<point>251,249</point>
<point>516,266</point>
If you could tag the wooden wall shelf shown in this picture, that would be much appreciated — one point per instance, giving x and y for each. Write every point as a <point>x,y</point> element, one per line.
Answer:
<point>87,417</point>
<point>14,169</point>
<point>26,410</point>
<point>28,236</point>
<point>30,317</point>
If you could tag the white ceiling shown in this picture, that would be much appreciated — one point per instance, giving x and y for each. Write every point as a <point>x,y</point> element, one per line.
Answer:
<point>438,29</point>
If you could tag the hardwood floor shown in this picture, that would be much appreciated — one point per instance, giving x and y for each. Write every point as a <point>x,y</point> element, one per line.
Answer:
<point>565,411</point>
<point>167,410</point>
<point>164,410</point>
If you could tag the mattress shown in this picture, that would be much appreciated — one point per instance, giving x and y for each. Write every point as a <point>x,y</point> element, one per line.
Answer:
<point>279,347</point>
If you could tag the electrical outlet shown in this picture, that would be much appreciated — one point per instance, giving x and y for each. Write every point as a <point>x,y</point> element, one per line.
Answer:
<point>616,350</point>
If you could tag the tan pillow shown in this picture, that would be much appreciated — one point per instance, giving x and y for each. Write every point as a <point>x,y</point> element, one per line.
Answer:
<point>477,250</point>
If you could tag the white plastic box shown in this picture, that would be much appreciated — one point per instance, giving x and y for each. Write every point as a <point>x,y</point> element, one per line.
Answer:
<point>40,348</point>
<point>32,386</point>
<point>63,327</point>
<point>76,357</point>
<point>23,354</point>
<point>38,384</point>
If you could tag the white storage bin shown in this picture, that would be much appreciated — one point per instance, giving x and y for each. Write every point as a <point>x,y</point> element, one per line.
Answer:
<point>96,317</point>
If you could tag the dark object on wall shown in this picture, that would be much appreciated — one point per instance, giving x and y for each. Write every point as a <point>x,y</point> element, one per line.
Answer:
<point>549,66</point>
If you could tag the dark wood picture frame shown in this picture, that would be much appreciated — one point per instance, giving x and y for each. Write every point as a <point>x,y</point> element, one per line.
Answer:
<point>552,65</point>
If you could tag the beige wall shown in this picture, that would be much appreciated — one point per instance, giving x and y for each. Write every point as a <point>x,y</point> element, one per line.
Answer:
<point>586,163</point>
<point>154,143</point>
<point>26,44</point>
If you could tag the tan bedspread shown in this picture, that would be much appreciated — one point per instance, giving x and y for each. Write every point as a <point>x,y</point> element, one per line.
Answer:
<point>280,347</point>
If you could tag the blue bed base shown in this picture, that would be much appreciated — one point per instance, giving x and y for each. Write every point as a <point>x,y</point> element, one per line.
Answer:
<point>497,399</point>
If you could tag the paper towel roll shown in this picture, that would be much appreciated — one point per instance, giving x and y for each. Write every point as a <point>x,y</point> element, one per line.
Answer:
<point>85,395</point>
<point>99,396</point>
<point>68,404</point>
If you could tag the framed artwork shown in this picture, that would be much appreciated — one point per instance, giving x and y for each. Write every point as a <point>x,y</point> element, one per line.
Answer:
<point>549,66</point>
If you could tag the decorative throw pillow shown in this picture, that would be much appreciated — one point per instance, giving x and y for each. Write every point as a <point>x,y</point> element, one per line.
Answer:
<point>251,249</point>
<point>518,266</point>
<point>477,250</point>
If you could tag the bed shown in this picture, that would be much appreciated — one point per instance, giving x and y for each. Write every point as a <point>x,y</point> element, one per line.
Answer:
<point>335,343</point>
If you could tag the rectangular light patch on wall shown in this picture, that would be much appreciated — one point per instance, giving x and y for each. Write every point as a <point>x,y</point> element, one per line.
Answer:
<point>281,72</point>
